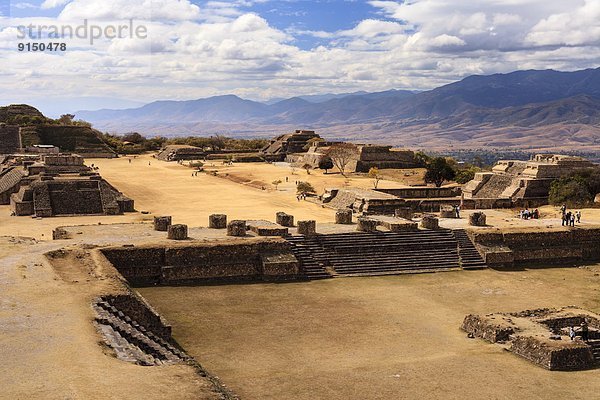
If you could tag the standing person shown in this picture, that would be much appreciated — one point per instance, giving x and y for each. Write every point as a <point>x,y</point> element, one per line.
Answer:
<point>457,211</point>
<point>578,215</point>
<point>572,333</point>
<point>563,209</point>
<point>536,214</point>
<point>573,219</point>
<point>584,331</point>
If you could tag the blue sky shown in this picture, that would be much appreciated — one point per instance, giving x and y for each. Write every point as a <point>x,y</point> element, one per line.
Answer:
<point>263,49</point>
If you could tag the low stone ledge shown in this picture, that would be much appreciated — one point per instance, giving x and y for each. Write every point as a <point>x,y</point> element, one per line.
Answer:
<point>236,228</point>
<point>477,219</point>
<point>284,219</point>
<point>430,222</point>
<point>343,217</point>
<point>367,225</point>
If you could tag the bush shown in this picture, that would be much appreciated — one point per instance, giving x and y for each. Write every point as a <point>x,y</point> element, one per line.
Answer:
<point>305,187</point>
<point>570,191</point>
<point>465,175</point>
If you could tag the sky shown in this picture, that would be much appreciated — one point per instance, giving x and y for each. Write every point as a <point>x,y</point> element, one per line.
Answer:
<point>264,49</point>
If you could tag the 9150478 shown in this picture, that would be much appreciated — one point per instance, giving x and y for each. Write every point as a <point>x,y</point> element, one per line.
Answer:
<point>42,46</point>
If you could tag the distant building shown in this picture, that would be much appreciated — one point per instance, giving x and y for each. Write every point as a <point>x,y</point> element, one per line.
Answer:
<point>296,142</point>
<point>181,153</point>
<point>521,183</point>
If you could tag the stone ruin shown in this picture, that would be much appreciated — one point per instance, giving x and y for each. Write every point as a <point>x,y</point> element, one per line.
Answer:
<point>53,185</point>
<point>542,336</point>
<point>10,139</point>
<point>366,157</point>
<point>289,143</point>
<point>181,153</point>
<point>514,183</point>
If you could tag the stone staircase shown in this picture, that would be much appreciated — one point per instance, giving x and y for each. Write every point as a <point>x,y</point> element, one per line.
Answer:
<point>131,341</point>
<point>595,347</point>
<point>385,253</point>
<point>494,187</point>
<point>470,258</point>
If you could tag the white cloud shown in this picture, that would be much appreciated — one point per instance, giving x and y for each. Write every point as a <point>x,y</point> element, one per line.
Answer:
<point>53,3</point>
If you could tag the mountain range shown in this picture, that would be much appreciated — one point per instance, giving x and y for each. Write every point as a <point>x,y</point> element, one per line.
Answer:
<point>533,109</point>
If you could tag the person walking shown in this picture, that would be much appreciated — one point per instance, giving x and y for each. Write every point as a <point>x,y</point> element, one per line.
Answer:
<point>584,331</point>
<point>457,211</point>
<point>573,219</point>
<point>572,333</point>
<point>578,215</point>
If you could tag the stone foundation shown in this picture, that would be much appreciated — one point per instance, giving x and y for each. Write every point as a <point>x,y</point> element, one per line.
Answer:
<point>162,224</point>
<point>447,211</point>
<point>366,225</point>
<point>404,212</point>
<point>307,228</point>
<point>343,217</point>
<point>236,228</point>
<point>178,232</point>
<point>477,219</point>
<point>217,221</point>
<point>430,222</point>
<point>284,219</point>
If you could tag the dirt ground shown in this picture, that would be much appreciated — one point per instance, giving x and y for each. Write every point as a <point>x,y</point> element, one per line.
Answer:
<point>376,338</point>
<point>49,347</point>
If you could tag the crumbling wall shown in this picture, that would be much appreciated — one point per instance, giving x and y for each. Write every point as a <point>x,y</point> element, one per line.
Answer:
<point>485,328</point>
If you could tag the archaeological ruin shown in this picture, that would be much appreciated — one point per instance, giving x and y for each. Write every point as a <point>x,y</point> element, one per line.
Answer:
<point>58,184</point>
<point>289,143</point>
<point>542,336</point>
<point>10,139</point>
<point>181,153</point>
<point>514,183</point>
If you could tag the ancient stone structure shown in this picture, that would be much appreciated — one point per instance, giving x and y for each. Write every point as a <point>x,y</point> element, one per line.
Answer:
<point>178,232</point>
<point>366,224</point>
<point>477,219</point>
<point>366,157</point>
<point>236,228</point>
<point>57,184</point>
<point>217,221</point>
<point>394,224</point>
<point>362,201</point>
<point>284,219</point>
<point>553,246</point>
<point>266,228</point>
<point>541,336</point>
<point>10,139</point>
<point>343,216</point>
<point>383,253</point>
<point>289,143</point>
<point>403,212</point>
<point>48,196</point>
<point>251,259</point>
<point>307,228</point>
<point>521,183</point>
<point>162,223</point>
<point>430,222</point>
<point>180,153</point>
<point>447,211</point>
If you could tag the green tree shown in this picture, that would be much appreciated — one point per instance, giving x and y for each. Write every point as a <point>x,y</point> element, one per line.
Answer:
<point>572,191</point>
<point>307,167</point>
<point>465,175</point>
<point>438,171</point>
<point>276,183</point>
<point>326,164</point>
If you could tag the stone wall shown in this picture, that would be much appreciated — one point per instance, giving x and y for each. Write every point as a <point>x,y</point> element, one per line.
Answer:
<point>423,192</point>
<point>573,358</point>
<point>556,246</point>
<point>247,260</point>
<point>485,329</point>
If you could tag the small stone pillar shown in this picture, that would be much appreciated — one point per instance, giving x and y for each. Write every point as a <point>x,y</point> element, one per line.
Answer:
<point>236,228</point>
<point>307,228</point>
<point>343,217</point>
<point>217,221</point>
<point>367,225</point>
<point>430,222</point>
<point>162,223</point>
<point>477,219</point>
<point>403,212</point>
<point>178,232</point>
<point>284,219</point>
<point>447,211</point>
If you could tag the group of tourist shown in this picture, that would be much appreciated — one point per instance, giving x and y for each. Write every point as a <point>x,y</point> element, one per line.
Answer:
<point>526,214</point>
<point>569,217</point>
<point>583,332</point>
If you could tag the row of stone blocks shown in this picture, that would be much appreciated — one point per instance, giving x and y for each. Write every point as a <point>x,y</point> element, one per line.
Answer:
<point>174,232</point>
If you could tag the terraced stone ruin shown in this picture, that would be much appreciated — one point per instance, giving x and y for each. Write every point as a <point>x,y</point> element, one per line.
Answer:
<point>53,185</point>
<point>514,183</point>
<point>542,336</point>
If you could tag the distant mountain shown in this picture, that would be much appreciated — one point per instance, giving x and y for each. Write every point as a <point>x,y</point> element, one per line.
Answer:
<point>508,102</point>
